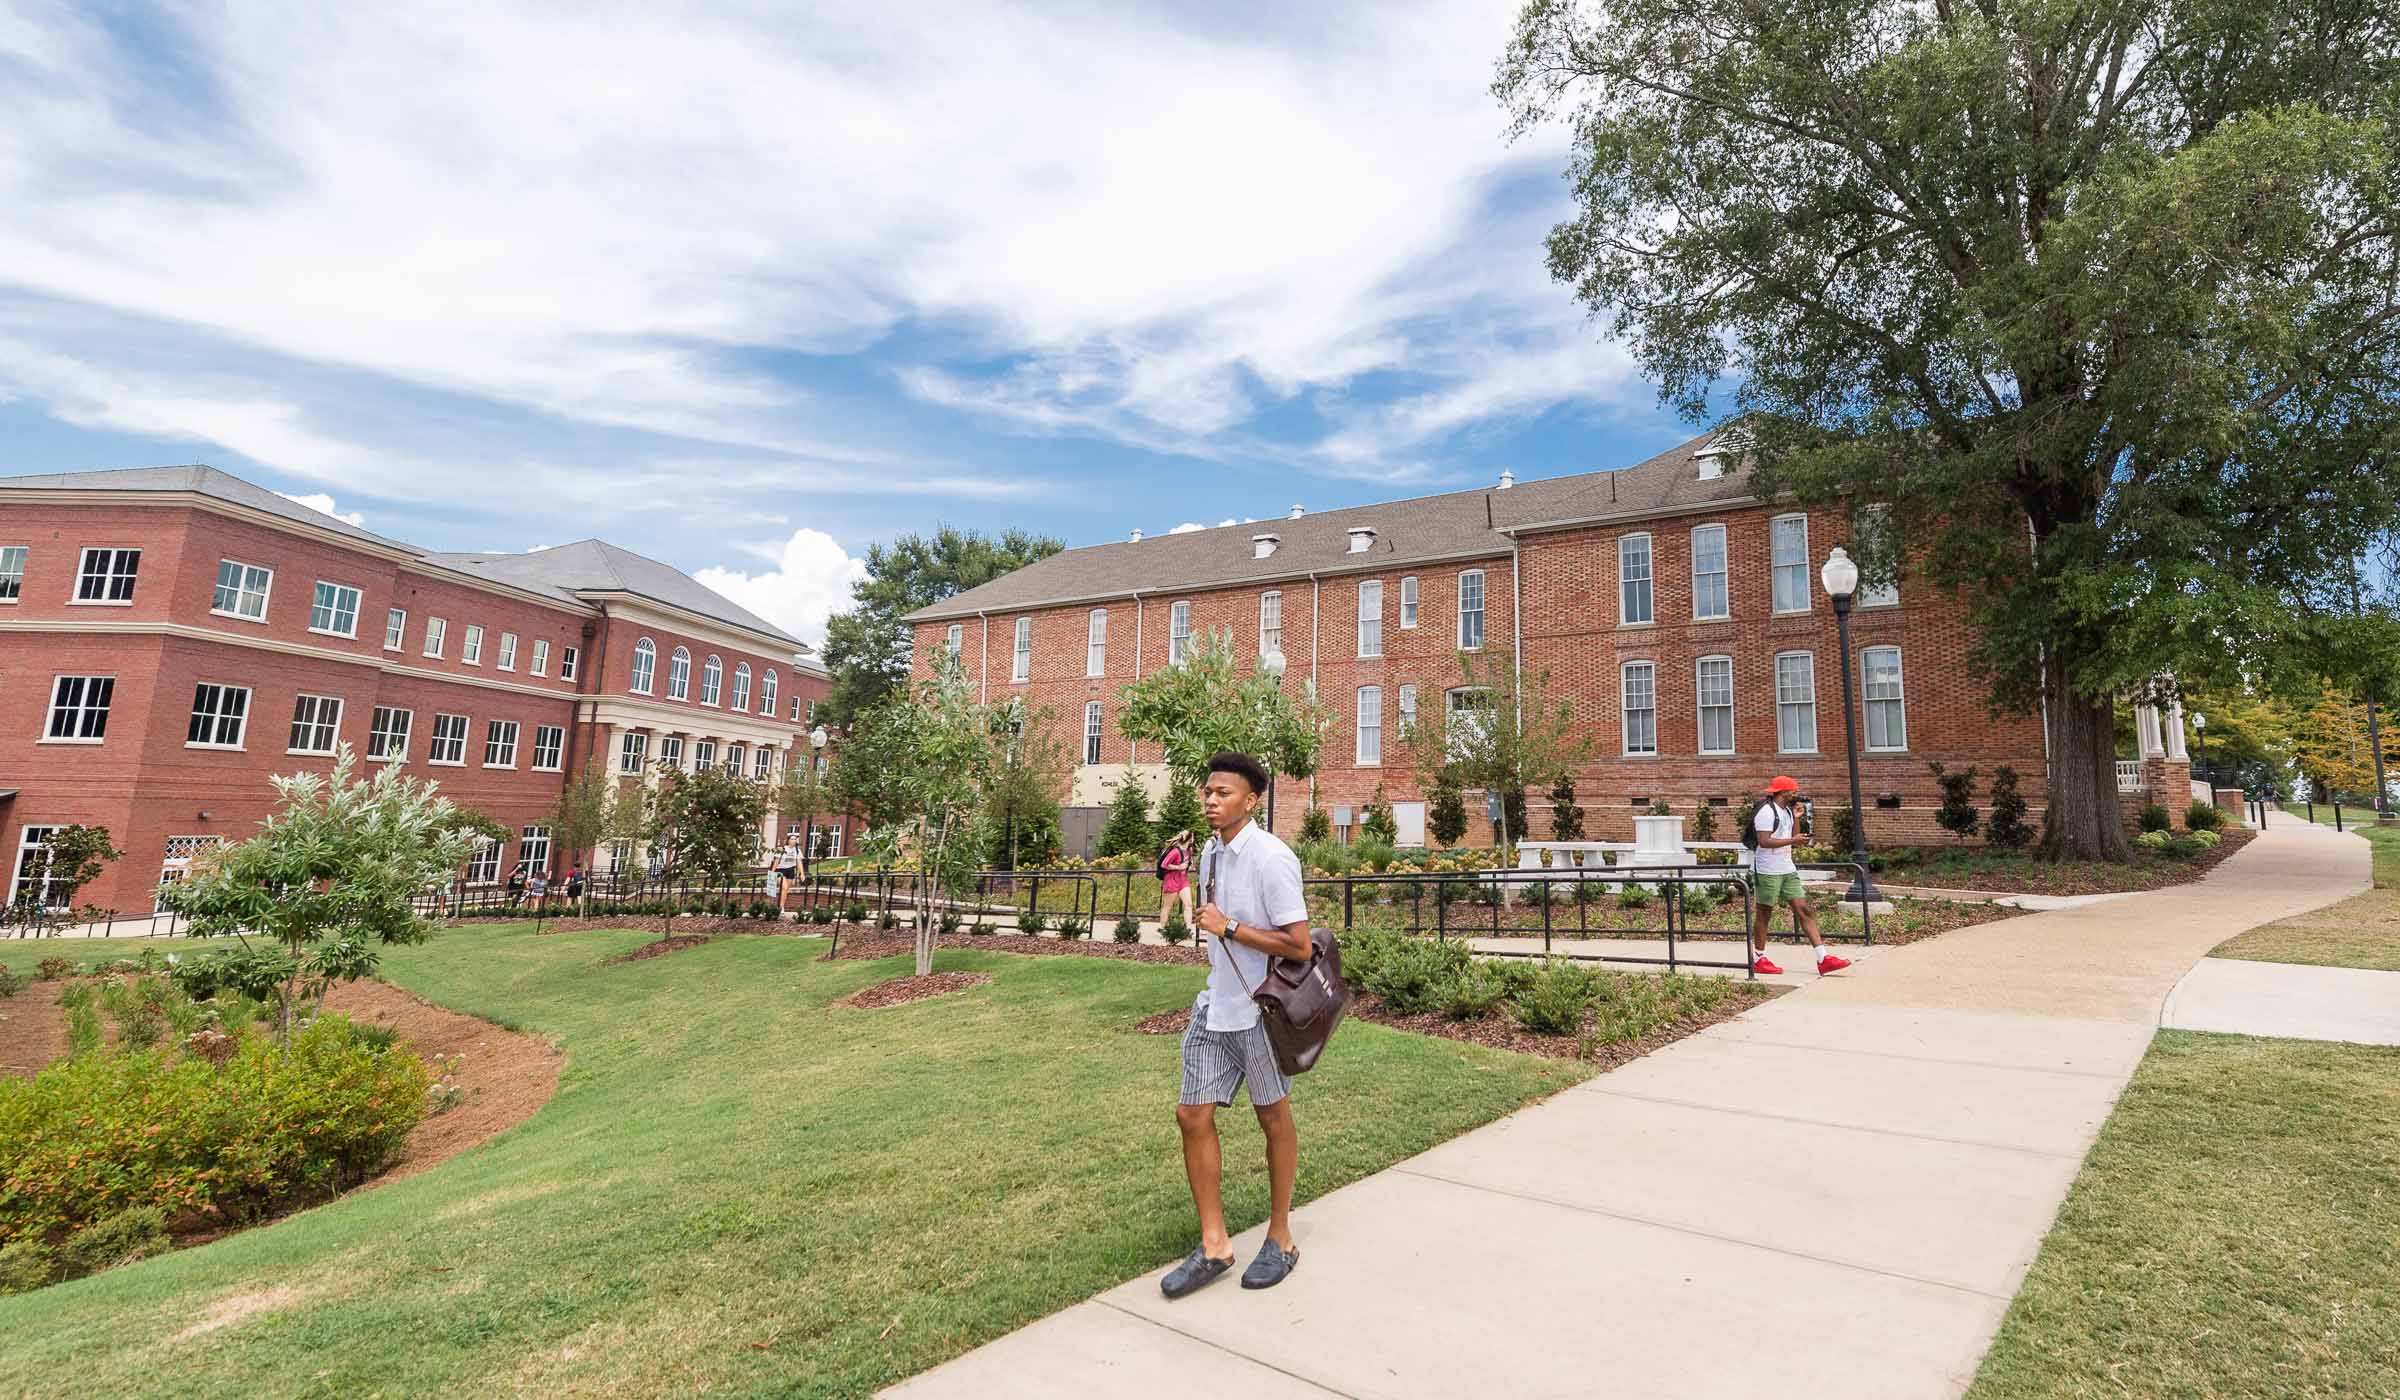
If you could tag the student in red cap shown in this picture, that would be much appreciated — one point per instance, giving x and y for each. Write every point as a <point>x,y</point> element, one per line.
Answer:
<point>1775,878</point>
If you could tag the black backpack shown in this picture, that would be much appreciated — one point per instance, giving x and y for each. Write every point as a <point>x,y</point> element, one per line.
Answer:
<point>1750,824</point>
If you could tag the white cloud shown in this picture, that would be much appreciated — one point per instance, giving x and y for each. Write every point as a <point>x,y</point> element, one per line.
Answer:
<point>319,501</point>
<point>810,580</point>
<point>1187,527</point>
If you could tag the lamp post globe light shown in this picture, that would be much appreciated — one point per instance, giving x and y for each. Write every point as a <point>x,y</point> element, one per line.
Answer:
<point>2200,732</point>
<point>1840,577</point>
<point>808,839</point>
<point>1271,666</point>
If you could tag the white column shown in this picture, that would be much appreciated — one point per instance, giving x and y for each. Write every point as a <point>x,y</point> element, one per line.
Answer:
<point>2145,724</point>
<point>2175,735</point>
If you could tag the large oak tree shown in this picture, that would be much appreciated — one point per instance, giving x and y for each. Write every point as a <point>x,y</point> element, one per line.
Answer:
<point>2101,297</point>
<point>868,648</point>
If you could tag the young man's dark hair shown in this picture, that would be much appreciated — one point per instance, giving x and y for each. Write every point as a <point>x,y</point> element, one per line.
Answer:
<point>1249,769</point>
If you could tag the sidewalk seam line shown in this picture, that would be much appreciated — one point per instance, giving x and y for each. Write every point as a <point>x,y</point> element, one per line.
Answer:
<point>1851,1127</point>
<point>1219,1346</point>
<point>1919,1059</point>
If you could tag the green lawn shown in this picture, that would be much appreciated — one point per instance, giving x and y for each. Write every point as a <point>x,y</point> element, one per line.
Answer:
<point>2236,1231</point>
<point>740,1187</point>
<point>2362,931</point>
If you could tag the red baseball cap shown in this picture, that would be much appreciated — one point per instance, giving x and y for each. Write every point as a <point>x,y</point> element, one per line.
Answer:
<point>1783,784</point>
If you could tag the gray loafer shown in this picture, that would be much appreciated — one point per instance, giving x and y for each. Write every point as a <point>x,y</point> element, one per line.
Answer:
<point>1195,1272</point>
<point>1273,1265</point>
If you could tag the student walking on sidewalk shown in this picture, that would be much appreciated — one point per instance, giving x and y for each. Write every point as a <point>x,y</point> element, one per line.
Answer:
<point>1775,878</point>
<point>1254,909</point>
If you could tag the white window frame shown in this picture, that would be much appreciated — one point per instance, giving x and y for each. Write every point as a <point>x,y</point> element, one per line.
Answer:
<point>111,577</point>
<point>1454,712</point>
<point>1647,671</point>
<point>643,674</point>
<point>770,691</point>
<point>507,659</point>
<point>500,743</point>
<point>32,838</point>
<point>483,863</point>
<point>1780,569</point>
<point>1702,705</point>
<point>1408,708</point>
<point>1179,631</point>
<point>215,718</point>
<point>1370,619</point>
<point>318,603</point>
<point>437,635</point>
<point>381,734</point>
<point>1095,643</point>
<point>712,681</point>
<point>470,647</point>
<point>1368,750</point>
<point>1270,621</point>
<point>670,751</point>
<point>762,762</point>
<point>1092,731</point>
<point>679,674</point>
<point>633,753</point>
<point>740,699</point>
<point>314,718</point>
<point>12,571</point>
<point>1470,638</point>
<point>1722,574</point>
<point>533,848</point>
<point>395,629</point>
<point>242,590</point>
<point>1873,519</point>
<point>704,755</point>
<point>1784,701</point>
<point>538,664</point>
<point>568,659</point>
<point>455,741</point>
<point>1633,586</point>
<point>1895,703</point>
<point>1020,652</point>
<point>954,638</point>
<point>734,754</point>
<point>86,714</point>
<point>1408,602</point>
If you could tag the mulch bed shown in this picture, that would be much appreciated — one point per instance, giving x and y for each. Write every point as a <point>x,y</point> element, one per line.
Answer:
<point>639,923</point>
<point>902,990</point>
<point>2038,877</point>
<point>869,946</point>
<point>659,948</point>
<point>33,1031</point>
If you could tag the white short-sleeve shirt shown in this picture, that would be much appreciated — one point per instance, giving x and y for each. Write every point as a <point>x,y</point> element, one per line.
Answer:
<point>1773,820</point>
<point>1256,882</point>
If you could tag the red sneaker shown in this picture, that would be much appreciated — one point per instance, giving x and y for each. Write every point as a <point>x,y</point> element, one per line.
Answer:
<point>1765,967</point>
<point>1831,962</point>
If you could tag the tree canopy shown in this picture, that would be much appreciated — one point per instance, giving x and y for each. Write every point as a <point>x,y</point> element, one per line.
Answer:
<point>1204,705</point>
<point>2099,297</point>
<point>868,648</point>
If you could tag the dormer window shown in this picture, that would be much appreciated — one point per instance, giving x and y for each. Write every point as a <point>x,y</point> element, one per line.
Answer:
<point>1725,446</point>
<point>1362,539</point>
<point>1263,545</point>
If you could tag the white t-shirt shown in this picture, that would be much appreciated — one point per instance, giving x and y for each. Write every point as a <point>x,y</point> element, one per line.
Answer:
<point>1773,820</point>
<point>1258,884</point>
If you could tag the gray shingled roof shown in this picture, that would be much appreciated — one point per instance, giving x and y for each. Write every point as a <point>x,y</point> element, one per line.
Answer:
<point>1459,523</point>
<point>207,481</point>
<point>589,566</point>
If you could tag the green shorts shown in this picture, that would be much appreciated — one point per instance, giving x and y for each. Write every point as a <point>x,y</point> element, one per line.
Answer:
<point>1773,890</point>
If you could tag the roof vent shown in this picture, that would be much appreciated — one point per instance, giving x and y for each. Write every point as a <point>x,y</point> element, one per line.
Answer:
<point>1298,510</point>
<point>1137,534</point>
<point>1263,545</point>
<point>1362,538</point>
<point>1507,479</point>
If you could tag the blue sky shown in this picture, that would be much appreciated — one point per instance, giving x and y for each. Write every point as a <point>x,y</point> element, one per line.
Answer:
<point>749,292</point>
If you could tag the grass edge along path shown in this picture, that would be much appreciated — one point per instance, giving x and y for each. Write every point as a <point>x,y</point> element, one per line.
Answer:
<point>2231,1233</point>
<point>2362,931</point>
<point>742,1187</point>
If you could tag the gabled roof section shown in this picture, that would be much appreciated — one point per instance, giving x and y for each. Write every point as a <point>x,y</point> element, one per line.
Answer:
<point>1455,525</point>
<point>202,480</point>
<point>570,571</point>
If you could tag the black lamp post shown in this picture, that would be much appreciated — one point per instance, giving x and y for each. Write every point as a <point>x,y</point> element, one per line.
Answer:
<point>2200,732</point>
<point>1840,577</point>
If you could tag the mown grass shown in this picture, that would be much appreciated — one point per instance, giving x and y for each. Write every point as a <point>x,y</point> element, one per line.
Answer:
<point>2362,931</point>
<point>2233,1233</point>
<point>741,1187</point>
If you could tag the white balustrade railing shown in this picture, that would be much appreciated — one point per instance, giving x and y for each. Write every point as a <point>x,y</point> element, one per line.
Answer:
<point>2129,775</point>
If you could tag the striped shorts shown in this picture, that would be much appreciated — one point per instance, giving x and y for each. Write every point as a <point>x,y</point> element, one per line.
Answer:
<point>1215,1063</point>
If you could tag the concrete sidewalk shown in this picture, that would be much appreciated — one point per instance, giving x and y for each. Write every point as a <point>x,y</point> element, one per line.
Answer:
<point>1836,1194</point>
<point>2292,1000</point>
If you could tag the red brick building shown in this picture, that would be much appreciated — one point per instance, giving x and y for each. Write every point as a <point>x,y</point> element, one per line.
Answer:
<point>170,637</point>
<point>1681,615</point>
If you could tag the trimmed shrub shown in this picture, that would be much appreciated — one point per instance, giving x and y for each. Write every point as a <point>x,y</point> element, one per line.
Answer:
<point>857,913</point>
<point>2185,847</point>
<point>24,1266</point>
<point>2006,827</point>
<point>2155,818</point>
<point>1536,895</point>
<point>949,921</point>
<point>1633,897</point>
<point>1175,930</point>
<point>1552,1001</point>
<point>135,1233</point>
<point>2206,838</point>
<point>1032,921</point>
<point>1316,825</point>
<point>1071,928</point>
<point>1129,929</point>
<point>1957,814</point>
<point>2152,841</point>
<point>51,969</point>
<point>1414,975</point>
<point>887,921</point>
<point>1473,992</point>
<point>10,983</point>
<point>2203,816</point>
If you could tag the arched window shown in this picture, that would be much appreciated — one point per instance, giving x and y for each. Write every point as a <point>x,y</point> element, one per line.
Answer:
<point>766,693</point>
<point>741,686</point>
<point>645,665</point>
<point>679,675</point>
<point>712,680</point>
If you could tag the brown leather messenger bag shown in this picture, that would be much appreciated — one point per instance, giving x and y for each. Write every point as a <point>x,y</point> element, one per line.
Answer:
<point>1300,1000</point>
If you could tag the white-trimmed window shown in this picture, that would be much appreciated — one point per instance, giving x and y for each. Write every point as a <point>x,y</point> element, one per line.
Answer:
<point>769,685</point>
<point>1886,705</point>
<point>1788,537</point>
<point>507,660</point>
<point>1714,684</point>
<point>1470,610</point>
<point>953,638</point>
<point>762,762</point>
<point>241,590</point>
<point>33,882</point>
<point>1179,632</point>
<point>107,575</point>
<point>1711,594</point>
<point>533,849</point>
<point>1408,603</point>
<point>567,659</point>
<point>1467,709</point>
<point>1873,526</point>
<point>181,852</point>
<point>470,648</point>
<point>1095,643</point>
<point>1270,621</point>
<point>734,754</point>
<point>220,714</point>
<point>1370,724</point>
<point>679,674</point>
<point>449,745</point>
<point>796,706</point>
<point>436,633</point>
<point>1091,731</point>
<point>1370,619</point>
<point>1020,659</point>
<point>1638,692</point>
<point>538,664</point>
<point>316,723</point>
<point>1633,579</point>
<point>633,752</point>
<point>334,612</point>
<point>500,743</point>
<point>670,751</point>
<point>741,686</point>
<point>1408,709</point>
<point>645,665</point>
<point>1796,702</point>
<point>395,628</point>
<point>483,863</point>
<point>12,572</point>
<point>712,681</point>
<point>387,736</point>
<point>704,755</point>
<point>79,709</point>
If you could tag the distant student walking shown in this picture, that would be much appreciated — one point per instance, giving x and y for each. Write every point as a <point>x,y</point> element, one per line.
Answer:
<point>1175,877</point>
<point>1775,877</point>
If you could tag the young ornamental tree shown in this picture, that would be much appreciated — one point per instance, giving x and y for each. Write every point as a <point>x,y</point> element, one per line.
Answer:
<point>2097,300</point>
<point>330,877</point>
<point>1205,705</point>
<point>55,872</point>
<point>1511,731</point>
<point>942,748</point>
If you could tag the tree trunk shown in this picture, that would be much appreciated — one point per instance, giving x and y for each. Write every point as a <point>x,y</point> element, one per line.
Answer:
<point>2083,821</point>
